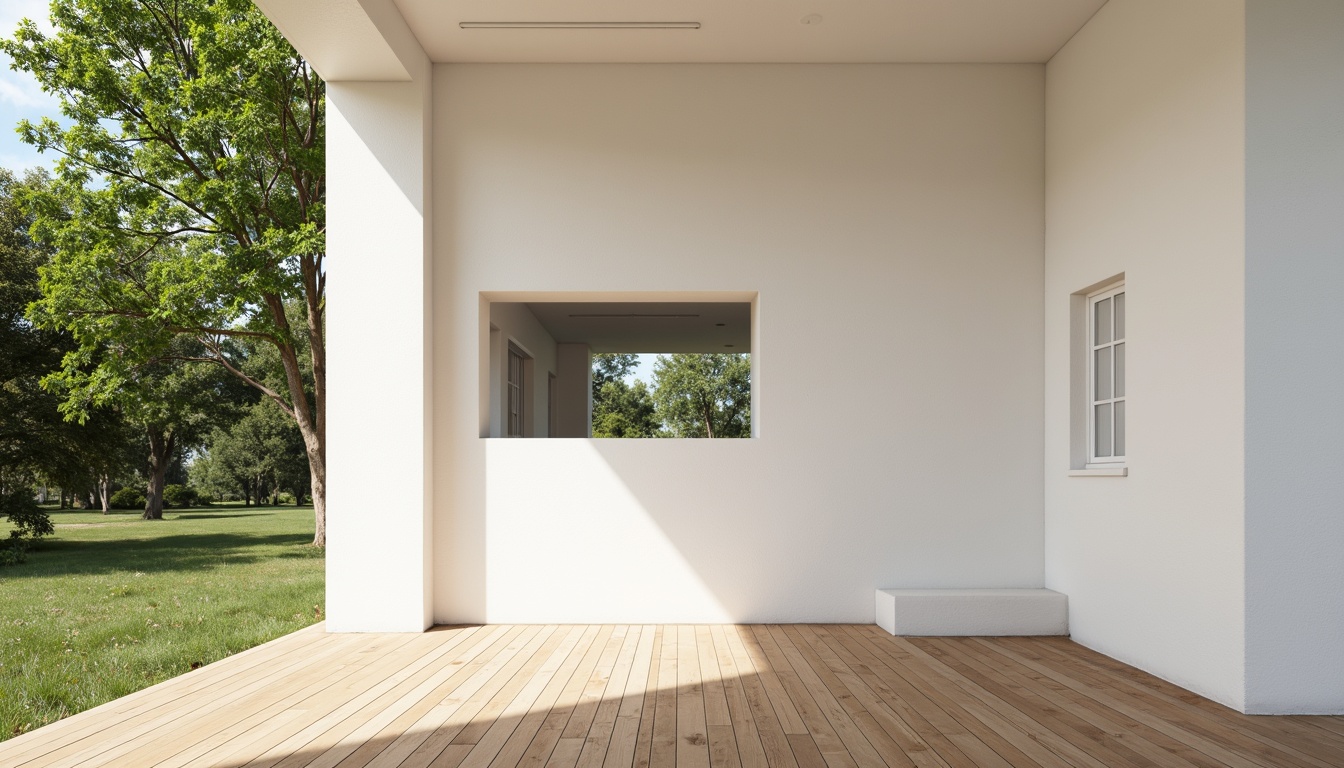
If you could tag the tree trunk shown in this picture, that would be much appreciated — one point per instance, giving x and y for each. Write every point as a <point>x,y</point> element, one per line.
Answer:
<point>310,413</point>
<point>64,503</point>
<point>160,456</point>
<point>319,491</point>
<point>105,493</point>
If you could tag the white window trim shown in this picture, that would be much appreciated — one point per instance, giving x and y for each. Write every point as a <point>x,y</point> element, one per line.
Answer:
<point>1095,462</point>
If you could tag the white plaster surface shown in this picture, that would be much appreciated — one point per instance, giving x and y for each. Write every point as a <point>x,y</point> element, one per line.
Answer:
<point>1145,116</point>
<point>348,40</point>
<point>972,612</point>
<point>882,216</point>
<point>518,325</point>
<point>573,390</point>
<point>851,31</point>
<point>378,409</point>
<point>1294,357</point>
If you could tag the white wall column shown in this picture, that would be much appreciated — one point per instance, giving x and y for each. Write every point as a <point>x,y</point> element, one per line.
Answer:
<point>379,312</point>
<point>379,309</point>
<point>573,380</point>
<point>1294,357</point>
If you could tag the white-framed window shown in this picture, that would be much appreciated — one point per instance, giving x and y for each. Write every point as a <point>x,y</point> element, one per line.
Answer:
<point>516,390</point>
<point>1106,376</point>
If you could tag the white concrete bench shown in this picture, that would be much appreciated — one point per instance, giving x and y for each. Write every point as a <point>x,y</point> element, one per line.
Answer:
<point>966,612</point>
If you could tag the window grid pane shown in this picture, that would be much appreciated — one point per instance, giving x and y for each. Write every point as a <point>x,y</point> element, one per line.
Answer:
<point>1101,364</point>
<point>1120,369</point>
<point>1119,316</point>
<point>1120,428</point>
<point>1102,416</point>
<point>1102,322</point>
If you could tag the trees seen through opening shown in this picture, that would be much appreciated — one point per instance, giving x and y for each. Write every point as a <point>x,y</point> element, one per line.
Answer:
<point>693,395</point>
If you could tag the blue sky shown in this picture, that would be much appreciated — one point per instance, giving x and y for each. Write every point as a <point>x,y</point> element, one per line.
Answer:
<point>19,95</point>
<point>644,372</point>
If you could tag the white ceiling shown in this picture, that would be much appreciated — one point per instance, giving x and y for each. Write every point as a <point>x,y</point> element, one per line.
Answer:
<point>763,31</point>
<point>649,326</point>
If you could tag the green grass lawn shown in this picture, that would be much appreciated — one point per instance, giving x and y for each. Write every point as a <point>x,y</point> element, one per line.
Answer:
<point>112,604</point>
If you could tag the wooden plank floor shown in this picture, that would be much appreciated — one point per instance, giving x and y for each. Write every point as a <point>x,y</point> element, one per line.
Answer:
<point>800,696</point>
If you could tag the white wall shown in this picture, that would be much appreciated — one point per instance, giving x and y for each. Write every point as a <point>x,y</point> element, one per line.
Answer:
<point>517,324</point>
<point>890,218</point>
<point>1294,356</point>
<point>1144,176</point>
<point>379,320</point>
<point>379,563</point>
<point>574,387</point>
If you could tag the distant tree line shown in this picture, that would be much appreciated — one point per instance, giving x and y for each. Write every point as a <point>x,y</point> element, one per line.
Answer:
<point>693,395</point>
<point>177,433</point>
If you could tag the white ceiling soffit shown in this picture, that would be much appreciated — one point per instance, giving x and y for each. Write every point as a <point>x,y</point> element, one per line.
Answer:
<point>649,326</point>
<point>340,38</point>
<point>760,31</point>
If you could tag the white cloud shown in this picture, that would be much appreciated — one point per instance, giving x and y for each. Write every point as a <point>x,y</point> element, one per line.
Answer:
<point>20,90</point>
<point>20,95</point>
<point>12,11</point>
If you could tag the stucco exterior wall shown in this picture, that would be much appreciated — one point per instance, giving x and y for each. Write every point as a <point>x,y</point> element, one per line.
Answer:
<point>889,221</point>
<point>379,358</point>
<point>1145,133</point>
<point>516,324</point>
<point>1294,357</point>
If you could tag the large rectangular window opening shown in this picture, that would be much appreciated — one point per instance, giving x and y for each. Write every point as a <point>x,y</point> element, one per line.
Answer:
<point>618,368</point>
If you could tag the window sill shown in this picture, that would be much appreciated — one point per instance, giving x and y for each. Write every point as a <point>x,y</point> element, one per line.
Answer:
<point>1100,472</point>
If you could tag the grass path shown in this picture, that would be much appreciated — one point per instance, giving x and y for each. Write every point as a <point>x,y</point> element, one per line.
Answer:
<point>112,604</point>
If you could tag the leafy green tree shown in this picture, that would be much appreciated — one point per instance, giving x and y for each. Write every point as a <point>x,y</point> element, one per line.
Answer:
<point>210,475</point>
<point>258,456</point>
<point>173,402</point>
<point>703,395</point>
<point>620,409</point>
<point>32,434</point>
<point>624,410</point>
<point>611,367</point>
<point>36,443</point>
<point>189,201</point>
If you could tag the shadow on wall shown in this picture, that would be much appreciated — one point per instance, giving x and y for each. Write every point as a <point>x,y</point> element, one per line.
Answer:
<point>666,530</point>
<point>385,119</point>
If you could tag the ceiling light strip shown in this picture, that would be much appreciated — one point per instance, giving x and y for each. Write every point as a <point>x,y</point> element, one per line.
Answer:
<point>606,316</point>
<point>579,24</point>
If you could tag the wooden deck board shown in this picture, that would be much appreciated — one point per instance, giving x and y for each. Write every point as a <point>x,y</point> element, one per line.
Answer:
<point>794,696</point>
